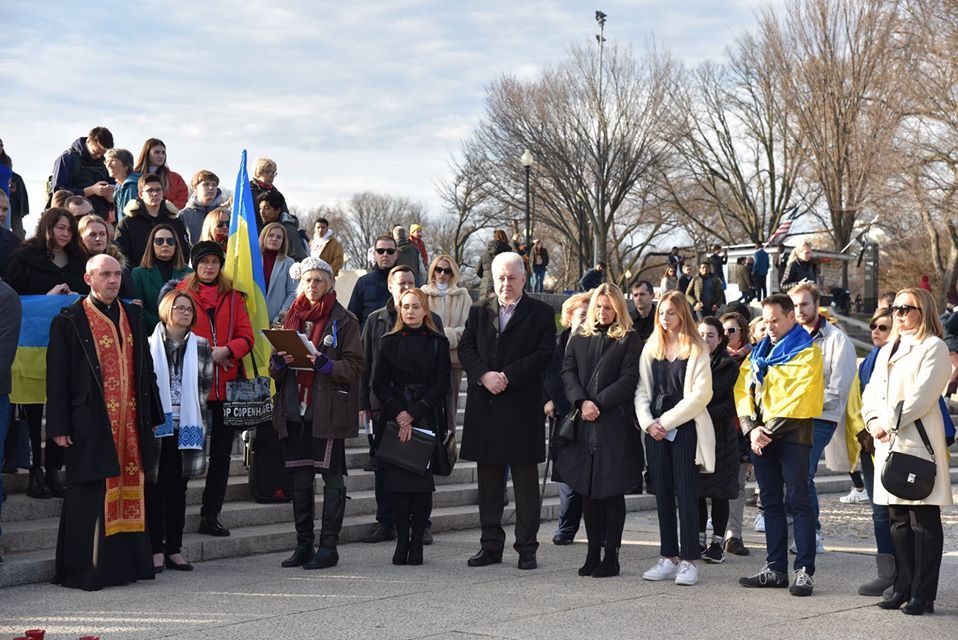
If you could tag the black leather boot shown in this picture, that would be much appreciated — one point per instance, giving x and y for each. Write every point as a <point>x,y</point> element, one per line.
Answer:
<point>415,543</point>
<point>610,564</point>
<point>37,486</point>
<point>334,509</point>
<point>592,559</point>
<point>304,510</point>
<point>401,554</point>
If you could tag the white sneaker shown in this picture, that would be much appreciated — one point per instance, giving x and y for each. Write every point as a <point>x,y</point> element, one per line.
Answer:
<point>855,496</point>
<point>688,574</point>
<point>819,545</point>
<point>664,569</point>
<point>760,522</point>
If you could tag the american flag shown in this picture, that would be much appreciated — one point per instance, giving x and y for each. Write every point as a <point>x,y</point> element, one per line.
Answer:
<point>790,215</point>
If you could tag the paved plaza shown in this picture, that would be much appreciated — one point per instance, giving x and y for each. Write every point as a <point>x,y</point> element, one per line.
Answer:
<point>367,597</point>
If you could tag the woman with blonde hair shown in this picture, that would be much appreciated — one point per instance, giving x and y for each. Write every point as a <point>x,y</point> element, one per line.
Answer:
<point>280,287</point>
<point>216,227</point>
<point>901,412</point>
<point>451,303</point>
<point>675,387</point>
<point>411,379</point>
<point>604,458</point>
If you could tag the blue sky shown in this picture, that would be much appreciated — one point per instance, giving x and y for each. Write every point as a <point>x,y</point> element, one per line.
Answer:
<point>346,97</point>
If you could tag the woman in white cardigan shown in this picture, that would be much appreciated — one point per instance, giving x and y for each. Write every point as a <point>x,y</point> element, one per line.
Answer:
<point>675,386</point>
<point>912,370</point>
<point>451,303</point>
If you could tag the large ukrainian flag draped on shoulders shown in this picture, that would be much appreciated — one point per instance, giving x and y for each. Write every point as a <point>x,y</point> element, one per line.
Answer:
<point>244,266</point>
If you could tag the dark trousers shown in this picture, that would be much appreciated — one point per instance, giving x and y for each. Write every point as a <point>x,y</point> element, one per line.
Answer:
<point>604,520</point>
<point>218,473</point>
<point>570,511</point>
<point>54,455</point>
<point>919,540</point>
<point>783,467</point>
<point>166,500</point>
<point>674,475</point>
<point>758,283</point>
<point>492,499</point>
<point>720,514</point>
<point>881,521</point>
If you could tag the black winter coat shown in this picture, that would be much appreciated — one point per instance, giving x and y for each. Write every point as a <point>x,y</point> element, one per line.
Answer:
<point>723,483</point>
<point>606,458</point>
<point>412,375</point>
<point>32,272</point>
<point>133,231</point>
<point>798,270</point>
<point>74,379</point>
<point>508,428</point>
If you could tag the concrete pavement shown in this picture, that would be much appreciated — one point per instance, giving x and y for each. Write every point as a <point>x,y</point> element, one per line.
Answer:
<point>366,596</point>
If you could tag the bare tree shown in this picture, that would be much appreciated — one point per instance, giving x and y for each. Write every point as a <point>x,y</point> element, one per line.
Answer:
<point>572,130</point>
<point>736,169</point>
<point>840,64</point>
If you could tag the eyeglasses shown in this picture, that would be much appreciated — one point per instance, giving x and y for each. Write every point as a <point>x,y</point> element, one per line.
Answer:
<point>880,327</point>
<point>153,192</point>
<point>222,225</point>
<point>448,271</point>
<point>182,308</point>
<point>730,331</point>
<point>381,251</point>
<point>167,241</point>
<point>903,310</point>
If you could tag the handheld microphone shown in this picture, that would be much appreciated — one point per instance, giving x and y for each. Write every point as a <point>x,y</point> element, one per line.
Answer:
<point>328,341</point>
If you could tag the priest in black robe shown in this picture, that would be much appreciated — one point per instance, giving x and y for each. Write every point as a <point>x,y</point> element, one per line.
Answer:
<point>103,406</point>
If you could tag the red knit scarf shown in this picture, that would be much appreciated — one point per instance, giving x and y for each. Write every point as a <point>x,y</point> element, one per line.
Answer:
<point>301,312</point>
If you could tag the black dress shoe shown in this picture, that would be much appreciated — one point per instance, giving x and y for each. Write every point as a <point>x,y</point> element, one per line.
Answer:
<point>186,566</point>
<point>561,540</point>
<point>211,526</point>
<point>894,601</point>
<point>380,534</point>
<point>484,558</point>
<point>527,560</point>
<point>916,607</point>
<point>427,537</point>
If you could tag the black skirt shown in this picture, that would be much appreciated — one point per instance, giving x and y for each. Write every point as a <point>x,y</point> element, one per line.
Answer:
<point>304,451</point>
<point>86,558</point>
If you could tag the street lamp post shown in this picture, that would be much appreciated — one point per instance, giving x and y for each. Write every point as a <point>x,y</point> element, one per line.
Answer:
<point>527,161</point>
<point>600,18</point>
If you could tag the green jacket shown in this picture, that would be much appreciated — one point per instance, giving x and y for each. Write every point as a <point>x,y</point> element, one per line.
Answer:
<point>147,283</point>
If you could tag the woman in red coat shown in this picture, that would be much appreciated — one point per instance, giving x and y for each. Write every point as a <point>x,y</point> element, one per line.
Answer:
<point>224,322</point>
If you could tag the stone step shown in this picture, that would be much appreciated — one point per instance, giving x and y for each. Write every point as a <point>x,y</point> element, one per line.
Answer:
<point>37,566</point>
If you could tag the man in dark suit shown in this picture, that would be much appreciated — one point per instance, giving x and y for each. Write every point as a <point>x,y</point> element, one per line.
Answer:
<point>505,349</point>
<point>100,370</point>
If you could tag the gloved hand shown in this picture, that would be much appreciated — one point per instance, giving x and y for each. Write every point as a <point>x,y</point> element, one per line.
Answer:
<point>278,363</point>
<point>323,365</point>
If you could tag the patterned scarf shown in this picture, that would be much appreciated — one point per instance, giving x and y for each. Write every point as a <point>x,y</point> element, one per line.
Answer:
<point>123,506</point>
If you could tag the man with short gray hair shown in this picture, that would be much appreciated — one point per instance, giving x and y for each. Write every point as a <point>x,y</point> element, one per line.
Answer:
<point>505,349</point>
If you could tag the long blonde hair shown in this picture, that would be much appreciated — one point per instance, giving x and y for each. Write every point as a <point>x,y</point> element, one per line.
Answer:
<point>690,343</point>
<point>623,321</point>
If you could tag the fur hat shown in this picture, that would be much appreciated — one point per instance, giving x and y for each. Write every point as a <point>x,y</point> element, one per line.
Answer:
<point>309,263</point>
<point>206,248</point>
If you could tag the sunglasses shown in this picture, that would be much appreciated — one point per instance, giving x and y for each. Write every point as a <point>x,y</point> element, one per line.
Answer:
<point>222,225</point>
<point>880,327</point>
<point>381,251</point>
<point>730,331</point>
<point>903,310</point>
<point>448,272</point>
<point>167,241</point>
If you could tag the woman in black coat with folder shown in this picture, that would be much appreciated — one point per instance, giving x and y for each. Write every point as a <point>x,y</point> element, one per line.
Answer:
<point>411,380</point>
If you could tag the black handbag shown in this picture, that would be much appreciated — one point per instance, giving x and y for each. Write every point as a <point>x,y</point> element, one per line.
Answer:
<point>906,476</point>
<point>249,401</point>
<point>415,455</point>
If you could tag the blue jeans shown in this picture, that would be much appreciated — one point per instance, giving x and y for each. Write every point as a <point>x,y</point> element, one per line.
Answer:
<point>4,425</point>
<point>783,467</point>
<point>822,434</point>
<point>538,279</point>
<point>570,512</point>
<point>881,520</point>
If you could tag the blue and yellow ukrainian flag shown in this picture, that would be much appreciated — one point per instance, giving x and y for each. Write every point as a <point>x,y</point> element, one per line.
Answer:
<point>244,266</point>
<point>29,372</point>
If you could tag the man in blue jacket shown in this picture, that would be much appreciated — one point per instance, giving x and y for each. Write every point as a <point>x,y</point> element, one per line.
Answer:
<point>760,271</point>
<point>371,291</point>
<point>80,169</point>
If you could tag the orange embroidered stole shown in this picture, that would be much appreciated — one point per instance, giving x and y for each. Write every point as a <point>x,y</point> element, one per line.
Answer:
<point>123,508</point>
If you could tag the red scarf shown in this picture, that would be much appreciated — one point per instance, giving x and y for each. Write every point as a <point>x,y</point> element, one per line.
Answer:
<point>301,312</point>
